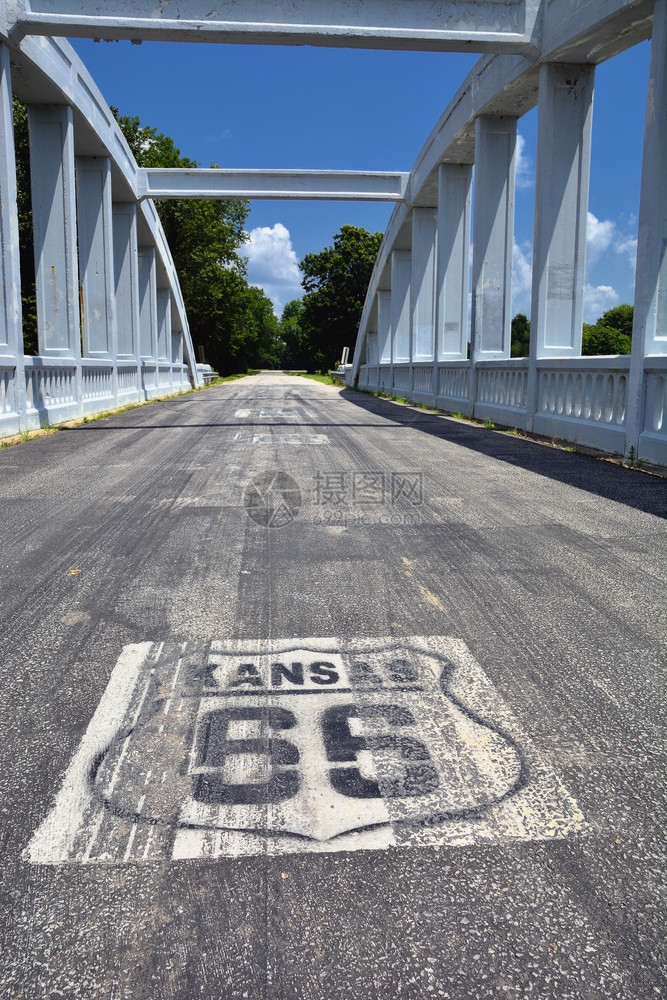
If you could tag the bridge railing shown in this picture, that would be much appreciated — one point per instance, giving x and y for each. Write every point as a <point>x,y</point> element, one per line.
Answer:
<point>579,400</point>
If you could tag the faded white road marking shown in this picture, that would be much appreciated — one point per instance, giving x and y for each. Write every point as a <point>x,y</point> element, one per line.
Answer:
<point>299,745</point>
<point>294,439</point>
<point>54,836</point>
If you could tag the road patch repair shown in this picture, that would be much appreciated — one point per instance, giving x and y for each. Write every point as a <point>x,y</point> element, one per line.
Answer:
<point>234,748</point>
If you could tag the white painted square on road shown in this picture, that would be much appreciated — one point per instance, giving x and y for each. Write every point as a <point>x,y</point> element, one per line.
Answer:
<point>247,747</point>
<point>279,437</point>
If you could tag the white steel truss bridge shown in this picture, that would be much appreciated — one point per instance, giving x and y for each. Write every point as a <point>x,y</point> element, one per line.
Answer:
<point>112,326</point>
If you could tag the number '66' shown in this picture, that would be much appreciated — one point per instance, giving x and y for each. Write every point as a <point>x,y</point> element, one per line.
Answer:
<point>281,773</point>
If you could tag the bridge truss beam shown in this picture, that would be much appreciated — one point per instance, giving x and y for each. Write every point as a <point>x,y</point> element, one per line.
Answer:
<point>308,185</point>
<point>449,25</point>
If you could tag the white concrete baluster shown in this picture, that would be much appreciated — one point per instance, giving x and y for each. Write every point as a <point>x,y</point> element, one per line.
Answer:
<point>54,217</point>
<point>493,231</point>
<point>401,268</point>
<point>99,330</point>
<point>384,325</point>
<point>53,189</point>
<point>12,378</point>
<point>454,185</point>
<point>95,229</point>
<point>148,319</point>
<point>423,284</point>
<point>163,301</point>
<point>646,432</point>
<point>561,204</point>
<point>126,273</point>
<point>163,324</point>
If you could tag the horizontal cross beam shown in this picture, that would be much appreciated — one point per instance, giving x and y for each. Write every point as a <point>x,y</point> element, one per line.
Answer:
<point>448,25</point>
<point>307,185</point>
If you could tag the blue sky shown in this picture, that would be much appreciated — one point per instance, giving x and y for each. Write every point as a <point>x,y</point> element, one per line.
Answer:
<point>247,106</point>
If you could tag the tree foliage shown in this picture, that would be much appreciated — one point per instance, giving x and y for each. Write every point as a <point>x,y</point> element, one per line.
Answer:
<point>599,339</point>
<point>619,318</point>
<point>233,321</point>
<point>520,341</point>
<point>298,351</point>
<point>335,281</point>
<point>26,243</point>
<point>611,333</point>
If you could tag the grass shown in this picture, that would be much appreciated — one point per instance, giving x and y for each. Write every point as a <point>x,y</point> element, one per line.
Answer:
<point>388,395</point>
<point>67,425</point>
<point>24,436</point>
<point>325,379</point>
<point>381,394</point>
<point>456,414</point>
<point>632,460</point>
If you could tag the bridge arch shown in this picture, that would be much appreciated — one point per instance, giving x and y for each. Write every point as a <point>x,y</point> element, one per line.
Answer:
<point>112,324</point>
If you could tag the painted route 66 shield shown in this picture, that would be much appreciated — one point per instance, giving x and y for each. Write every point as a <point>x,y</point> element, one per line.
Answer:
<point>309,744</point>
<point>316,743</point>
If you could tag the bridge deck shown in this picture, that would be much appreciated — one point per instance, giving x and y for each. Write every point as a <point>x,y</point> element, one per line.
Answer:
<point>480,819</point>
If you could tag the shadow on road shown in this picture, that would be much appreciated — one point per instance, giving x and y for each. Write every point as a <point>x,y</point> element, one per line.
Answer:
<point>613,482</point>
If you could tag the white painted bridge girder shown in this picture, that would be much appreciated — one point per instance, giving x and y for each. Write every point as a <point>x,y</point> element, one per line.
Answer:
<point>312,185</point>
<point>448,25</point>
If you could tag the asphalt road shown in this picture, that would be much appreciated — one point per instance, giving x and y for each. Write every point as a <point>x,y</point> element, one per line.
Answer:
<point>467,799</point>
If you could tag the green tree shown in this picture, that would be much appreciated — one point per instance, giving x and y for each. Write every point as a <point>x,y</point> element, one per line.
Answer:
<point>611,333</point>
<point>26,244</point>
<point>335,281</point>
<point>520,343</point>
<point>299,351</point>
<point>204,237</point>
<point>264,346</point>
<point>599,339</point>
<point>618,318</point>
<point>209,225</point>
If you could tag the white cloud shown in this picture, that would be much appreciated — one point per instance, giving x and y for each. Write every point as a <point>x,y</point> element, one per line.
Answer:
<point>606,242</point>
<point>522,278</point>
<point>629,247</point>
<point>525,177</point>
<point>599,235</point>
<point>273,264</point>
<point>604,235</point>
<point>597,299</point>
